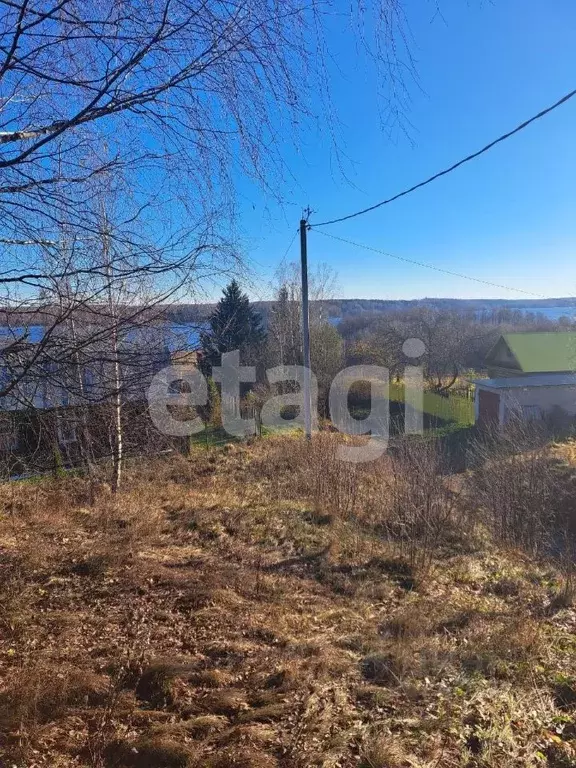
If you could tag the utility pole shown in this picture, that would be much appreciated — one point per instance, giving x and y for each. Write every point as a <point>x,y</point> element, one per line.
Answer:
<point>306,325</point>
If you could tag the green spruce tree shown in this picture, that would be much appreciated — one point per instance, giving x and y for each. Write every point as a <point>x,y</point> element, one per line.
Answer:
<point>234,325</point>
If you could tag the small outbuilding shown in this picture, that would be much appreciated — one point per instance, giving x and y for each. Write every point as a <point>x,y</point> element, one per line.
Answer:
<point>531,376</point>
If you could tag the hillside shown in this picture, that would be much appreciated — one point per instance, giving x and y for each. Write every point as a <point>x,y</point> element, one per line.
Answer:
<point>336,308</point>
<point>261,606</point>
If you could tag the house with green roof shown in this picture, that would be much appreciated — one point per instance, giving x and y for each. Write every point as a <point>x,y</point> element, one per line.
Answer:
<point>530,376</point>
<point>529,354</point>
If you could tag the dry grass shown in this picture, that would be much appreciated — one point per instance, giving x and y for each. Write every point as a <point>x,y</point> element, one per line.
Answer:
<point>264,607</point>
<point>383,751</point>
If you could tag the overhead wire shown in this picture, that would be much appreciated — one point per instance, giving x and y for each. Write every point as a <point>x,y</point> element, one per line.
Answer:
<point>453,167</point>
<point>283,259</point>
<point>428,266</point>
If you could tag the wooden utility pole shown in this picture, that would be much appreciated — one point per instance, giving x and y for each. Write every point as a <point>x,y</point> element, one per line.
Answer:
<point>305,327</point>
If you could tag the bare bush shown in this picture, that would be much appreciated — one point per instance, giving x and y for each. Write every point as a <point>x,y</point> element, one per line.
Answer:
<point>417,506</point>
<point>404,497</point>
<point>334,484</point>
<point>515,489</point>
<point>313,471</point>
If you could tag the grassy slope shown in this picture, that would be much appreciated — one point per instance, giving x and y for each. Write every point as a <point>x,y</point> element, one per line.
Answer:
<point>453,408</point>
<point>212,616</point>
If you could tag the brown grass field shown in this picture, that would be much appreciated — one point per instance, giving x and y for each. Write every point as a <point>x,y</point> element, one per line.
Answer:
<point>263,606</point>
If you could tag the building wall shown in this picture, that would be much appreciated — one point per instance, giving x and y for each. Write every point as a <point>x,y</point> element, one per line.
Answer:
<point>545,398</point>
<point>36,442</point>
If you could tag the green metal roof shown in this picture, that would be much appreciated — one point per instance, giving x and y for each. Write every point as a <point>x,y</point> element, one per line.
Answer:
<point>543,352</point>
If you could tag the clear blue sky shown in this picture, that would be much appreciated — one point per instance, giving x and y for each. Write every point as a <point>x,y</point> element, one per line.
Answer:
<point>508,217</point>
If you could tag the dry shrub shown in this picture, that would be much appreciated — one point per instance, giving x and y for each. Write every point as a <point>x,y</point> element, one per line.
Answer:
<point>258,734</point>
<point>283,679</point>
<point>93,565</point>
<point>402,497</point>
<point>360,642</point>
<point>383,751</point>
<point>335,485</point>
<point>211,678</point>
<point>415,643</point>
<point>260,698</point>
<point>227,702</point>
<point>156,684</point>
<point>458,620</point>
<point>419,510</point>
<point>524,495</point>
<point>516,490</point>
<point>565,557</point>
<point>413,620</point>
<point>203,725</point>
<point>565,597</point>
<point>43,693</point>
<point>47,500</point>
<point>372,696</point>
<point>279,457</point>
<point>311,470</point>
<point>383,668</point>
<point>565,693</point>
<point>417,638</point>
<point>131,519</point>
<point>408,660</point>
<point>507,586</point>
<point>356,501</point>
<point>505,649</point>
<point>169,472</point>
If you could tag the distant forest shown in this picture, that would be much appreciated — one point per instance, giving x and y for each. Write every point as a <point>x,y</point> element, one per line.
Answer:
<point>342,308</point>
<point>335,309</point>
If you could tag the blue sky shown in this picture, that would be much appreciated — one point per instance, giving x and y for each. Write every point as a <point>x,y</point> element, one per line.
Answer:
<point>508,217</point>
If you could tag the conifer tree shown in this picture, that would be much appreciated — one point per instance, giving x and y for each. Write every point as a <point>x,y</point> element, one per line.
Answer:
<point>234,325</point>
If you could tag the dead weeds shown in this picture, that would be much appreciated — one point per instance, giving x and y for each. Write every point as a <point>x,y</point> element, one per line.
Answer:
<point>259,608</point>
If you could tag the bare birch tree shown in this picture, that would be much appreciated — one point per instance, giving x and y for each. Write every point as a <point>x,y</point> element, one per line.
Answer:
<point>174,100</point>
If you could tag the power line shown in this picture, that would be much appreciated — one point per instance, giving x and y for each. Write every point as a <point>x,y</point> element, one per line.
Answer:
<point>467,159</point>
<point>283,259</point>
<point>429,266</point>
<point>260,296</point>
